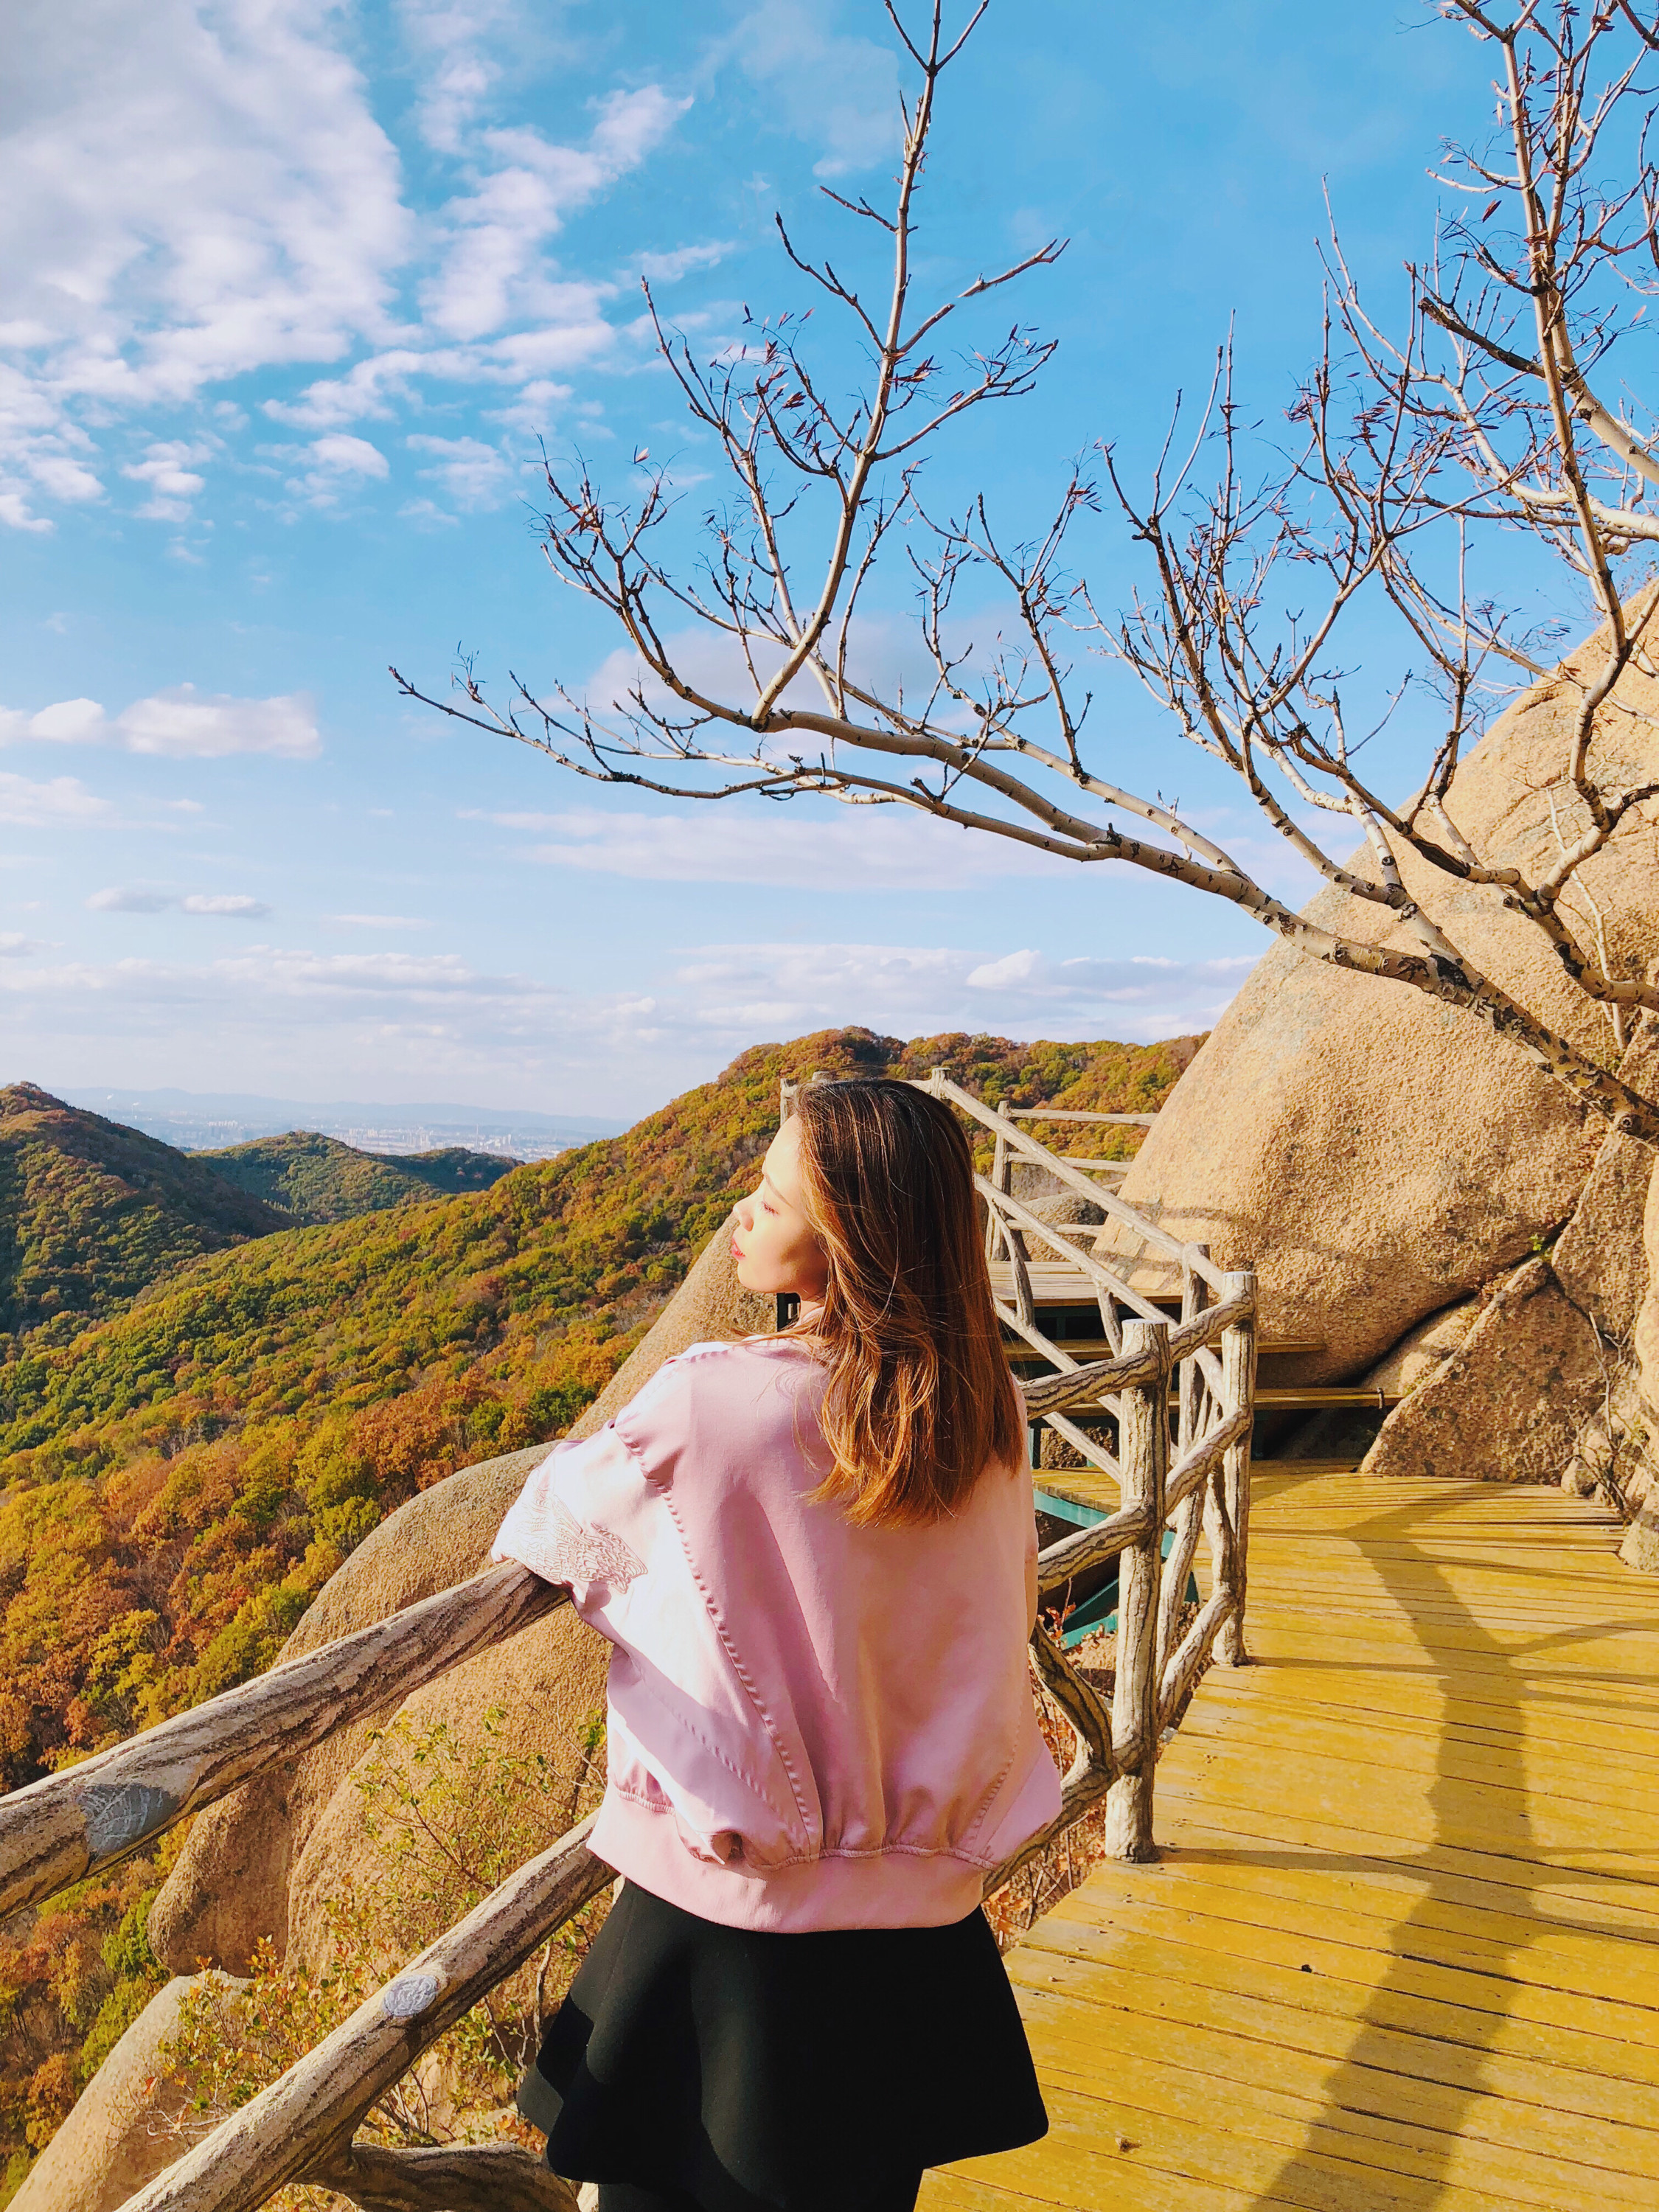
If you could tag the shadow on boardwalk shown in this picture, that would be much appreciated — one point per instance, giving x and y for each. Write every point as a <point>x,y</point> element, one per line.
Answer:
<point>1483,1856</point>
<point>1436,1795</point>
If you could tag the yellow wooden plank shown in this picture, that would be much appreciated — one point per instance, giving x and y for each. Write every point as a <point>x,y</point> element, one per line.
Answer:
<point>1131,2186</point>
<point>1336,1759</point>
<point>1329,2022</point>
<point>1440,1589</point>
<point>1574,1670</point>
<point>1484,1600</point>
<point>1519,1767</point>
<point>1364,1696</point>
<point>1608,2030</point>
<point>1081,2145</point>
<point>1411,1918</point>
<point>1513,1883</point>
<point>1447,1815</point>
<point>1092,2045</point>
<point>1580,2161</point>
<point>1569,1644</point>
<point>1438,1794</point>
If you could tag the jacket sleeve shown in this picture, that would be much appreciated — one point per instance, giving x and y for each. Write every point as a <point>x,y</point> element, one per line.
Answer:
<point>585,1516</point>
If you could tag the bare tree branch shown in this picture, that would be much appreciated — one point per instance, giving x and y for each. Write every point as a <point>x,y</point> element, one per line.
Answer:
<point>1478,422</point>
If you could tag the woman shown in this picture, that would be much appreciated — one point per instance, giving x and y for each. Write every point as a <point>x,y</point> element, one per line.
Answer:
<point>815,1555</point>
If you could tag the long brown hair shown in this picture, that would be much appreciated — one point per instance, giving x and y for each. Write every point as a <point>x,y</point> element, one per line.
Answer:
<point>920,1398</point>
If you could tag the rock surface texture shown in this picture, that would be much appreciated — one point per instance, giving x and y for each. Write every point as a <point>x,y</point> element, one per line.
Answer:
<point>1543,1384</point>
<point>1599,1259</point>
<point>119,2135</point>
<point>1508,1406</point>
<point>1641,1545</point>
<point>1424,1351</point>
<point>229,1885</point>
<point>1342,1432</point>
<point>1372,1153</point>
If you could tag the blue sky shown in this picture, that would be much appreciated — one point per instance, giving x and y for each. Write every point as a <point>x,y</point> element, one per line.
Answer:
<point>289,293</point>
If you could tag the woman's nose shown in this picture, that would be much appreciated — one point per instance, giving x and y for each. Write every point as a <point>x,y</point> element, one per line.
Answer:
<point>745,1209</point>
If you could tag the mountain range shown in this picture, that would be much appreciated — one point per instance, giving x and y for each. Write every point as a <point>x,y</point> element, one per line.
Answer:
<point>92,1212</point>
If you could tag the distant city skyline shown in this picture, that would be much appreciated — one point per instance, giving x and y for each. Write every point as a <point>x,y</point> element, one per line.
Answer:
<point>292,295</point>
<point>208,1120</point>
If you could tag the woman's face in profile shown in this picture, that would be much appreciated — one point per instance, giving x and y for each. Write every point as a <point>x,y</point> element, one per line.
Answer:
<point>774,1245</point>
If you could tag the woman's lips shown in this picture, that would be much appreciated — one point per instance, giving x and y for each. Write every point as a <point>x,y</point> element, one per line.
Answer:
<point>737,1250</point>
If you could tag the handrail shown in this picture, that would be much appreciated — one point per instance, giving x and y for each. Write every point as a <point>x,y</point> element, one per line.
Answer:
<point>1190,1255</point>
<point>292,2125</point>
<point>58,1831</point>
<point>1185,1338</point>
<point>1103,1277</point>
<point>302,2124</point>
<point>1073,1555</point>
<point>1069,1114</point>
<point>1194,1468</point>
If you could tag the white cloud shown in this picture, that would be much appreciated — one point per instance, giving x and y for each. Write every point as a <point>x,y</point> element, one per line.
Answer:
<point>1145,980</point>
<point>669,268</point>
<point>839,93</point>
<point>216,198</point>
<point>765,990</point>
<point>223,906</point>
<point>347,456</point>
<point>331,466</point>
<point>63,801</point>
<point>370,388</point>
<point>452,39</point>
<point>129,898</point>
<point>495,310</point>
<point>168,468</point>
<point>826,848</point>
<point>14,945</point>
<point>378,920</point>
<point>493,269</point>
<point>269,1017</point>
<point>184,206</point>
<point>471,473</point>
<point>178,724</point>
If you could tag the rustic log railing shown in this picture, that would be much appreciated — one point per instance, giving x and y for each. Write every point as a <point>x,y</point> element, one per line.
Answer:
<point>301,2127</point>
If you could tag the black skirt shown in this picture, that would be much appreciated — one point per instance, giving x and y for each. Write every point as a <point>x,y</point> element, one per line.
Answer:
<point>767,2072</point>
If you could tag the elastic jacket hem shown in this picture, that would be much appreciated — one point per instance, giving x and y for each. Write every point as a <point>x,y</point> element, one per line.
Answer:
<point>895,1887</point>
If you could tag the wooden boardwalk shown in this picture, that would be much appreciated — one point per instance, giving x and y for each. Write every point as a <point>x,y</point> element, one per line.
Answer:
<point>1402,1949</point>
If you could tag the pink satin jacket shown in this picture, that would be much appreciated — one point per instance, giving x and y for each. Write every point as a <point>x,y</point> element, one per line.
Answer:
<point>812,1725</point>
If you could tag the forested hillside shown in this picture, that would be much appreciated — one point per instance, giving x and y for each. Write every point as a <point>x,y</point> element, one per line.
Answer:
<point>311,1178</point>
<point>178,1481</point>
<point>91,1211</point>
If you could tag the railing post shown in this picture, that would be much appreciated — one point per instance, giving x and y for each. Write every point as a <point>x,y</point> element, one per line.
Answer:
<point>1189,1519</point>
<point>1000,1180</point>
<point>1143,1457</point>
<point>1238,1384</point>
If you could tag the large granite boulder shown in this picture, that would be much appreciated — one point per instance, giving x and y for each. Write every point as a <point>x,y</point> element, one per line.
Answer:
<point>124,2128</point>
<point>1508,1404</point>
<point>1345,1433</point>
<point>1374,1153</point>
<point>1641,1545</point>
<point>229,1885</point>
<point>262,1862</point>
